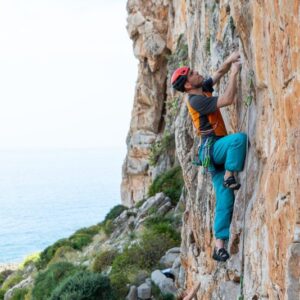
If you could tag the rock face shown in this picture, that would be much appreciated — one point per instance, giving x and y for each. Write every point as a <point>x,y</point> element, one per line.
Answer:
<point>267,36</point>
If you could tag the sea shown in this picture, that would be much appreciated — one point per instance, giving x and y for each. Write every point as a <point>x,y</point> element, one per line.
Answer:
<point>48,194</point>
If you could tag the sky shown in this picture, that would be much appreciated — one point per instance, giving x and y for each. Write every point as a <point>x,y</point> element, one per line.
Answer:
<point>67,74</point>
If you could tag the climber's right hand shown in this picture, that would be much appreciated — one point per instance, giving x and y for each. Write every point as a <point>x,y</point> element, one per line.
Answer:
<point>235,56</point>
<point>236,66</point>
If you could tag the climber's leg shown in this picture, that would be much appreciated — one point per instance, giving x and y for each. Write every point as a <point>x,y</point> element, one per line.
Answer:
<point>224,207</point>
<point>231,151</point>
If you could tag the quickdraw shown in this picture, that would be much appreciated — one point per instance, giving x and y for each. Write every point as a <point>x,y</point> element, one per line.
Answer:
<point>207,162</point>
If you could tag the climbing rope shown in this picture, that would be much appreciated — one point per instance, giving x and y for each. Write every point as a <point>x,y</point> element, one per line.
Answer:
<point>247,103</point>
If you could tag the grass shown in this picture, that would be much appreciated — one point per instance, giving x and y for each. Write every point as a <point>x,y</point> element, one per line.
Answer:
<point>160,147</point>
<point>171,183</point>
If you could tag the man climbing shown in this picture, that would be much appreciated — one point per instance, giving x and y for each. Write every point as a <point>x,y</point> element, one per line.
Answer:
<point>221,154</point>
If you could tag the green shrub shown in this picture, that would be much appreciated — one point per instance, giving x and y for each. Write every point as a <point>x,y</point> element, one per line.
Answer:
<point>48,280</point>
<point>84,285</point>
<point>12,280</point>
<point>61,254</point>
<point>142,256</point>
<point>19,294</point>
<point>93,230</point>
<point>30,259</point>
<point>119,281</point>
<point>170,182</point>
<point>80,240</point>
<point>153,247</point>
<point>103,260</point>
<point>115,212</point>
<point>76,241</point>
<point>2,293</point>
<point>108,227</point>
<point>4,275</point>
<point>49,252</point>
<point>131,214</point>
<point>160,147</point>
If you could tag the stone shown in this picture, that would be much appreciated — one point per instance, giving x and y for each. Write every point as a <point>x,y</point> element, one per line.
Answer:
<point>144,291</point>
<point>132,295</point>
<point>171,255</point>
<point>164,208</point>
<point>156,201</point>
<point>166,285</point>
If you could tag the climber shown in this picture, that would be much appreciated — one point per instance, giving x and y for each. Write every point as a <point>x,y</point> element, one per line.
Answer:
<point>222,155</point>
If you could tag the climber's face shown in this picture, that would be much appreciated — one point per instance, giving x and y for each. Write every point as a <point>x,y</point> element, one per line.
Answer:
<point>194,80</point>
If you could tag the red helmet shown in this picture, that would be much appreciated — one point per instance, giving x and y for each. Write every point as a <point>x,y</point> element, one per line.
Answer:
<point>179,78</point>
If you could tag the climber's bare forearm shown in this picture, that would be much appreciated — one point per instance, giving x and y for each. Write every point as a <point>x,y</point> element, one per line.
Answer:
<point>225,66</point>
<point>221,71</point>
<point>230,93</point>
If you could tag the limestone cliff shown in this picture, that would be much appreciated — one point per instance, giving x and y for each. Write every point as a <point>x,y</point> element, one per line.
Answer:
<point>202,33</point>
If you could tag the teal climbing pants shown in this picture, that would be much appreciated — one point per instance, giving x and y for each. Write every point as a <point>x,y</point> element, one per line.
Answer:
<point>230,151</point>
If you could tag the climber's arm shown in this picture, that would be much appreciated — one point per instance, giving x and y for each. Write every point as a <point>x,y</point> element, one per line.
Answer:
<point>230,93</point>
<point>225,67</point>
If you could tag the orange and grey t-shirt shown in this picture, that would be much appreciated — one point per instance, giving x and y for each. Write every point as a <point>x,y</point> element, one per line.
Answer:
<point>203,110</point>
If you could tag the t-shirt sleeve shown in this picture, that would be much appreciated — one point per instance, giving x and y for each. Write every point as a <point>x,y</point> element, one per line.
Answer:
<point>204,105</point>
<point>207,85</point>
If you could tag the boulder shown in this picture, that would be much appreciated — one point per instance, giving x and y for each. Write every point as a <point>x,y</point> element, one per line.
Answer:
<point>144,291</point>
<point>132,295</point>
<point>166,285</point>
<point>171,255</point>
<point>156,201</point>
<point>164,208</point>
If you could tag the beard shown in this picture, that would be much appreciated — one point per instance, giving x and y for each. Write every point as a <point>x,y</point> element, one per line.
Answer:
<point>198,85</point>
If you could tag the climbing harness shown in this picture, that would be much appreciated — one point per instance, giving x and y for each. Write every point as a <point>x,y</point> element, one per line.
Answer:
<point>247,103</point>
<point>206,159</point>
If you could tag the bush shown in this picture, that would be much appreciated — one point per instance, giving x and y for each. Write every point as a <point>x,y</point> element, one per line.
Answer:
<point>76,241</point>
<point>93,230</point>
<point>170,182</point>
<point>48,280</point>
<point>49,252</point>
<point>62,254</point>
<point>30,259</point>
<point>119,281</point>
<point>84,285</point>
<point>115,212</point>
<point>80,240</point>
<point>103,260</point>
<point>108,227</point>
<point>160,147</point>
<point>11,281</point>
<point>145,255</point>
<point>19,294</point>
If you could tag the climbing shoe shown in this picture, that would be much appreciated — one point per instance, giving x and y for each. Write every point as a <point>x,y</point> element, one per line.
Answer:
<point>220,255</point>
<point>231,183</point>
